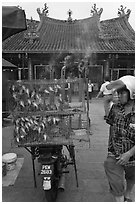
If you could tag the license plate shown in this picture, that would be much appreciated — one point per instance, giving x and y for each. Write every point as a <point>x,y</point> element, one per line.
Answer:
<point>46,170</point>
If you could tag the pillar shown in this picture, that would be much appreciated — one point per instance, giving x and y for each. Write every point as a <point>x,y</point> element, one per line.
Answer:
<point>30,74</point>
<point>23,66</point>
<point>51,72</point>
<point>63,72</point>
<point>81,86</point>
<point>106,68</point>
<point>19,73</point>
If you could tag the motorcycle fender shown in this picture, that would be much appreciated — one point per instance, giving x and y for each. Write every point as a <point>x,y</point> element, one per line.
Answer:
<point>46,183</point>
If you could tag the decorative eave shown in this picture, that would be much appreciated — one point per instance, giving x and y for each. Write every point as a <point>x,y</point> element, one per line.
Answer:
<point>66,51</point>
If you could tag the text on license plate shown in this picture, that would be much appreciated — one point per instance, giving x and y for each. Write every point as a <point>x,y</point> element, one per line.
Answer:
<point>46,169</point>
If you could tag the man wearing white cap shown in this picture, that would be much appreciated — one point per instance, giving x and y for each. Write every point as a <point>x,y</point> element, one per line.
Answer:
<point>120,163</point>
<point>128,81</point>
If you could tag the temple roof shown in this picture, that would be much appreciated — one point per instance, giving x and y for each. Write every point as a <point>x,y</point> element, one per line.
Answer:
<point>85,35</point>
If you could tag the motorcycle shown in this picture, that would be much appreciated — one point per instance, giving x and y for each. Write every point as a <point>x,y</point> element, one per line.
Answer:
<point>53,167</point>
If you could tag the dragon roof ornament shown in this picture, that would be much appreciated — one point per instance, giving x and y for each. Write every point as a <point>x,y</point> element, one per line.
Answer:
<point>96,11</point>
<point>121,11</point>
<point>44,11</point>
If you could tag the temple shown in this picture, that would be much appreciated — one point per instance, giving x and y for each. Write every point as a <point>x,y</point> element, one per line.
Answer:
<point>108,45</point>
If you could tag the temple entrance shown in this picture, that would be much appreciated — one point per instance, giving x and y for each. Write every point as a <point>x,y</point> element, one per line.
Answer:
<point>96,75</point>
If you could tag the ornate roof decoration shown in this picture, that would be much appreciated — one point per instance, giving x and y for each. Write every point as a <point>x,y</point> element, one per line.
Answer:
<point>44,12</point>
<point>31,33</point>
<point>69,18</point>
<point>96,11</point>
<point>84,35</point>
<point>19,7</point>
<point>121,12</point>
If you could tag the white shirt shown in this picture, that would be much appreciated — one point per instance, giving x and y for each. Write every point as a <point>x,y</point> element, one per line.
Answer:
<point>90,87</point>
<point>104,89</point>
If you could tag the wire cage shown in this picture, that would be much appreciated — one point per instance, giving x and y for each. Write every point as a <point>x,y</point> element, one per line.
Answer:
<point>42,110</point>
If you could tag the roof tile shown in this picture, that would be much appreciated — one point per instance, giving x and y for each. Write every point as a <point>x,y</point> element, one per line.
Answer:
<point>81,35</point>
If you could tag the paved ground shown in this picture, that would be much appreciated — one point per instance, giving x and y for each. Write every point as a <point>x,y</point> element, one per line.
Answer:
<point>93,185</point>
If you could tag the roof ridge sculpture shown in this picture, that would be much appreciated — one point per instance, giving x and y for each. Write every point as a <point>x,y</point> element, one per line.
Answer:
<point>121,12</point>
<point>96,11</point>
<point>65,21</point>
<point>43,14</point>
<point>44,11</point>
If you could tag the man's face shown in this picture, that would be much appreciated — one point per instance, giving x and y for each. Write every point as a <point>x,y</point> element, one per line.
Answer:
<point>123,97</point>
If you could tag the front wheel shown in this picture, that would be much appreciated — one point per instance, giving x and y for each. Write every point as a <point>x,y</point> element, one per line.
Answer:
<point>51,195</point>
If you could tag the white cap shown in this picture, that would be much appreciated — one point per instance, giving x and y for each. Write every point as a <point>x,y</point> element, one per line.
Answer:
<point>128,81</point>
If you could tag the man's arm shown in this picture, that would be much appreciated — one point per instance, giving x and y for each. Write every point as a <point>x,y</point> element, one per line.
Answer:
<point>100,91</point>
<point>99,94</point>
<point>131,152</point>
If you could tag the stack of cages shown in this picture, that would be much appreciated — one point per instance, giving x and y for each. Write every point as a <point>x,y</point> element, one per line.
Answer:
<point>42,109</point>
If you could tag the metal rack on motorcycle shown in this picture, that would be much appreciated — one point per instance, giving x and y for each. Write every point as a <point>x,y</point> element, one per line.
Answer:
<point>43,113</point>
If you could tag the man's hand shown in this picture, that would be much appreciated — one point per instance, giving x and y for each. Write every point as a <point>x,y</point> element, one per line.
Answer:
<point>124,158</point>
